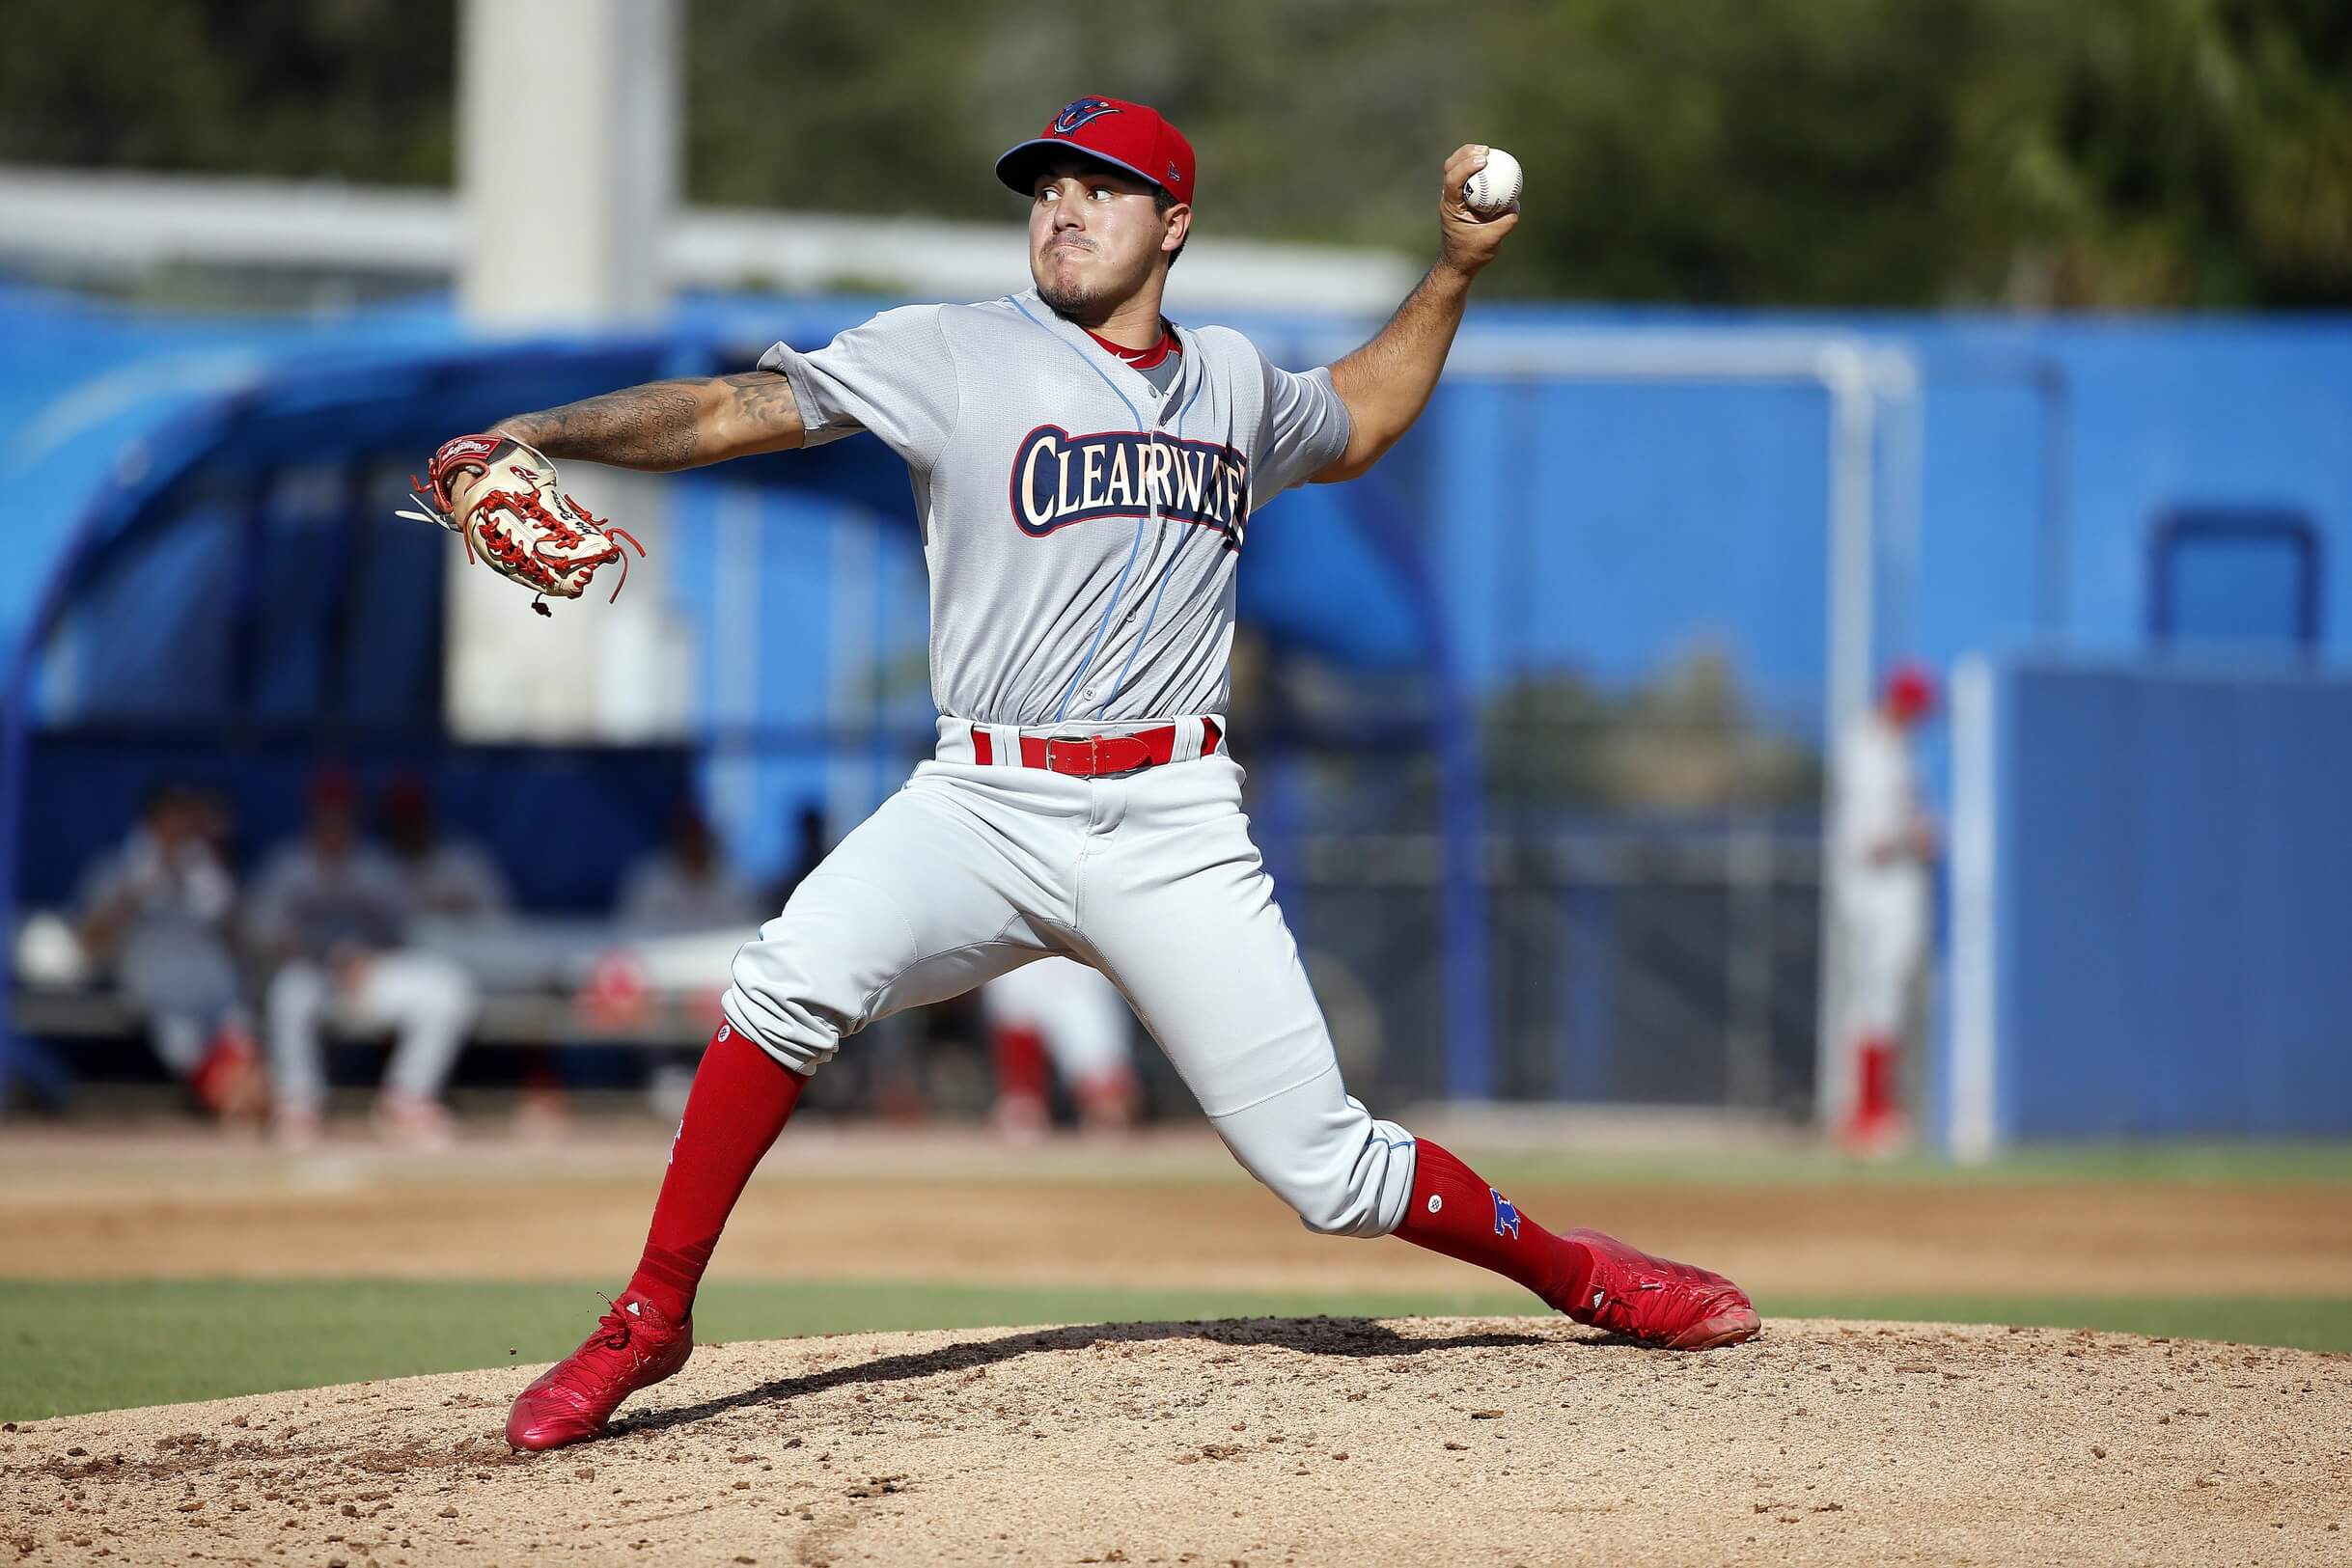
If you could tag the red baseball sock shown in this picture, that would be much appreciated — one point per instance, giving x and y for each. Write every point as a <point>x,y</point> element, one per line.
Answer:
<point>1021,1070</point>
<point>1874,1089</point>
<point>739,1102</point>
<point>1453,1211</point>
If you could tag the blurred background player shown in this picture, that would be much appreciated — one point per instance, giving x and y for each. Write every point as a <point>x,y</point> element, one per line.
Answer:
<point>441,877</point>
<point>1065,1013</point>
<point>160,910</point>
<point>1885,847</point>
<point>687,885</point>
<point>682,888</point>
<point>330,912</point>
<point>454,884</point>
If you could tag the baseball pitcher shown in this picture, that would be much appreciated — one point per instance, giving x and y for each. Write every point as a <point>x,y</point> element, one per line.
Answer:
<point>1085,475</point>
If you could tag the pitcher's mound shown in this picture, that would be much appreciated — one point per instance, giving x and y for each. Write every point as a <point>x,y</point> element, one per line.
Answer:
<point>1262,1442</point>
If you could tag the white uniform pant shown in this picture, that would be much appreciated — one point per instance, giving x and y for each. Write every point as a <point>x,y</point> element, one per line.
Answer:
<point>973,870</point>
<point>427,1000</point>
<point>1885,914</point>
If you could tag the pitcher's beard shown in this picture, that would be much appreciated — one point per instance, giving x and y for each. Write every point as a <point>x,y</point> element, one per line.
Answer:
<point>1083,300</point>
<point>1068,299</point>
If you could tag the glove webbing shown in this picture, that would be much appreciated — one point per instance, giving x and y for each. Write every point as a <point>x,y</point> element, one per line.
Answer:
<point>509,551</point>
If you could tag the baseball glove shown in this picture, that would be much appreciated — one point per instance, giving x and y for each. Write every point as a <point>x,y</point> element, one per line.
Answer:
<point>500,496</point>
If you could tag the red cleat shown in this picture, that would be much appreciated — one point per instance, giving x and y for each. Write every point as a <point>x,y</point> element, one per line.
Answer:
<point>634,1347</point>
<point>1657,1301</point>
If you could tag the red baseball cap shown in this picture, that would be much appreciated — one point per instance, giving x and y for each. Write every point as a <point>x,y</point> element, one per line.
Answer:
<point>1129,136</point>
<point>1910,692</point>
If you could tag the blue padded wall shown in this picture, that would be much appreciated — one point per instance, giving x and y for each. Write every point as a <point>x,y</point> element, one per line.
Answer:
<point>2174,906</point>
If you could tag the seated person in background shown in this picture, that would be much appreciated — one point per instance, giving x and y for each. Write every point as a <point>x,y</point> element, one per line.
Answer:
<point>330,912</point>
<point>687,885</point>
<point>158,911</point>
<point>455,881</point>
<point>442,878</point>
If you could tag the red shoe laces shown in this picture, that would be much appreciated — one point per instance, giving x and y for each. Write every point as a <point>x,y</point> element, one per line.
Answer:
<point>583,1373</point>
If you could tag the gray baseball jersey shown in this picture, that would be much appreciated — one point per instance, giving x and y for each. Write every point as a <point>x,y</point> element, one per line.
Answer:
<point>1081,526</point>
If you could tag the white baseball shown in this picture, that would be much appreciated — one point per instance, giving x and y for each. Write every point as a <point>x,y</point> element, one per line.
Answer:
<point>1494,189</point>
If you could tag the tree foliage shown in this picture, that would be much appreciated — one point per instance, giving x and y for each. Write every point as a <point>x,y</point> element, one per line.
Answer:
<point>2094,153</point>
<point>355,90</point>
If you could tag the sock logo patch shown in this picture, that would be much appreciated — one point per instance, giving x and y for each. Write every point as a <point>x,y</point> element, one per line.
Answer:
<point>1506,1218</point>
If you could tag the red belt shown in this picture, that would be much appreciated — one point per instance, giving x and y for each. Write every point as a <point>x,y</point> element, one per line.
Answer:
<point>1092,756</point>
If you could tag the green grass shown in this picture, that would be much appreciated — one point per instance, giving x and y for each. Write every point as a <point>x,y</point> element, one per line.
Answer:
<point>74,1346</point>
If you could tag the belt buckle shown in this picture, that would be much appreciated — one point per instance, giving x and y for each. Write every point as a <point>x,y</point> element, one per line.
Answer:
<point>1093,754</point>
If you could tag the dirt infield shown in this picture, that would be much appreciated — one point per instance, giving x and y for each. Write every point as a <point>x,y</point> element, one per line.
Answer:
<point>1171,1211</point>
<point>1475,1441</point>
<point>1262,1442</point>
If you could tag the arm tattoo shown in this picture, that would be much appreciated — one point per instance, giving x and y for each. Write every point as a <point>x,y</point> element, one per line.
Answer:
<point>761,397</point>
<point>653,427</point>
<point>664,425</point>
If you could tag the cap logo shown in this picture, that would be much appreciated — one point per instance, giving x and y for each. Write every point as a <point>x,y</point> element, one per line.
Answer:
<point>1080,112</point>
<point>1174,174</point>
